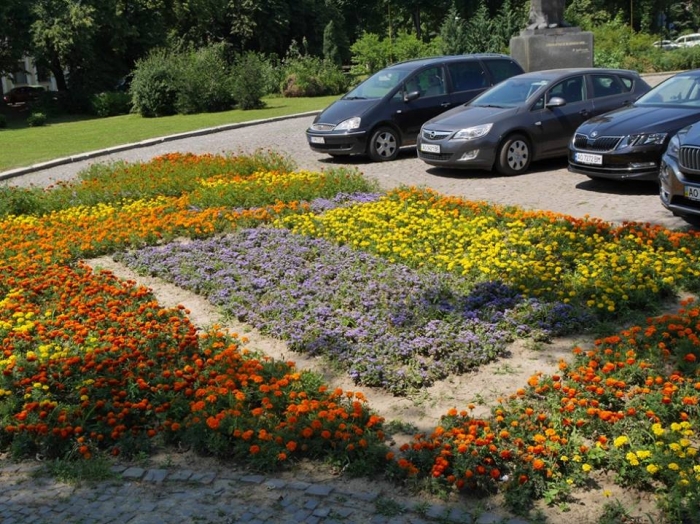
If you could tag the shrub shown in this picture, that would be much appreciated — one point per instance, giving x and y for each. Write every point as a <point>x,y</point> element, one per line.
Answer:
<point>36,120</point>
<point>153,88</point>
<point>203,81</point>
<point>250,74</point>
<point>370,53</point>
<point>312,76</point>
<point>111,103</point>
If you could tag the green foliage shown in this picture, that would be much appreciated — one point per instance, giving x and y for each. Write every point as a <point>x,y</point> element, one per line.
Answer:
<point>335,42</point>
<point>371,53</point>
<point>36,120</point>
<point>19,201</point>
<point>306,75</point>
<point>204,83</point>
<point>110,103</point>
<point>480,33</point>
<point>153,87</point>
<point>249,81</point>
<point>453,33</point>
<point>586,14</point>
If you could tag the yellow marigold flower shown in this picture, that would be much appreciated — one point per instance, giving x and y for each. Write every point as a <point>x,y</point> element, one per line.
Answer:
<point>587,467</point>
<point>620,441</point>
<point>607,493</point>
<point>657,429</point>
<point>643,454</point>
<point>673,466</point>
<point>632,458</point>
<point>652,468</point>
<point>675,446</point>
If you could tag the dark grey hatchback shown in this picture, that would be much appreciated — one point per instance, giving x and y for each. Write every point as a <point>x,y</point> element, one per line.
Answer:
<point>525,118</point>
<point>386,111</point>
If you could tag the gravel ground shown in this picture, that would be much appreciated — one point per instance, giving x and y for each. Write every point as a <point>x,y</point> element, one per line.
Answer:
<point>548,185</point>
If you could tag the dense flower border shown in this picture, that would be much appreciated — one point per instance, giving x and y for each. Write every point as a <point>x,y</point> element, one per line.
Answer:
<point>93,363</point>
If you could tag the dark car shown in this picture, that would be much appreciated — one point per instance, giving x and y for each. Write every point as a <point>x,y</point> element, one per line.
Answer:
<point>23,94</point>
<point>386,111</point>
<point>679,176</point>
<point>628,143</point>
<point>527,117</point>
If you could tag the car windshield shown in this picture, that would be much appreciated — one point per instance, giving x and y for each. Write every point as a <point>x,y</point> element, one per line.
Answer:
<point>378,85</point>
<point>681,90</point>
<point>510,93</point>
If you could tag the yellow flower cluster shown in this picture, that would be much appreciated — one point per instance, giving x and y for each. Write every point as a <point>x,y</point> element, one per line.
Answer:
<point>539,257</point>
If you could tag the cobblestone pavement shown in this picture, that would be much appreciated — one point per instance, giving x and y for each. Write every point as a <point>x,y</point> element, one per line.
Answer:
<point>142,495</point>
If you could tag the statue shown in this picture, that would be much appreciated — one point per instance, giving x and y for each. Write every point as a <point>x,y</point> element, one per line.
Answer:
<point>547,14</point>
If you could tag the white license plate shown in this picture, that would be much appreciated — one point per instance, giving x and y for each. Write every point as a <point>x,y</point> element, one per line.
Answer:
<point>587,158</point>
<point>318,140</point>
<point>430,148</point>
<point>692,193</point>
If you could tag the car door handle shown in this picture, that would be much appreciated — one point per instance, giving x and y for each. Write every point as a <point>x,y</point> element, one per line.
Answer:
<point>445,104</point>
<point>584,112</point>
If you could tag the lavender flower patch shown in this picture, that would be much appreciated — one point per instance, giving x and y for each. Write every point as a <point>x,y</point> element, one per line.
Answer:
<point>388,325</point>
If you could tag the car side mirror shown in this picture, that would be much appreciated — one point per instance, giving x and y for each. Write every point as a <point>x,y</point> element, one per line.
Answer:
<point>555,101</point>
<point>411,96</point>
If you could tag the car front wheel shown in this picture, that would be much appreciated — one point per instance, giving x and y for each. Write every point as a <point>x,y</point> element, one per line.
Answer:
<point>384,145</point>
<point>514,155</point>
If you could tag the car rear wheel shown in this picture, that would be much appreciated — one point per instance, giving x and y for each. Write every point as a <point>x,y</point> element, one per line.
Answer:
<point>384,145</point>
<point>514,155</point>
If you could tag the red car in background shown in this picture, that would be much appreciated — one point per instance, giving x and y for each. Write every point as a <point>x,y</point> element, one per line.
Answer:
<point>23,94</point>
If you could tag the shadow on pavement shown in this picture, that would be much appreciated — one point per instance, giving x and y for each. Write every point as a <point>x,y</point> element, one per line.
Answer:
<point>620,187</point>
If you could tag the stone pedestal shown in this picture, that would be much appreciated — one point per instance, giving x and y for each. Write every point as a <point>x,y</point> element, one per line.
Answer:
<point>538,49</point>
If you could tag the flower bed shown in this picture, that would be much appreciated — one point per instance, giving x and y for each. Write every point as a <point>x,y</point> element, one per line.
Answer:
<point>403,289</point>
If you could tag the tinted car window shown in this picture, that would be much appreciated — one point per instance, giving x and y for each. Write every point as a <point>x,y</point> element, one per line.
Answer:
<point>605,85</point>
<point>511,93</point>
<point>429,82</point>
<point>467,75</point>
<point>627,84</point>
<point>502,69</point>
<point>570,90</point>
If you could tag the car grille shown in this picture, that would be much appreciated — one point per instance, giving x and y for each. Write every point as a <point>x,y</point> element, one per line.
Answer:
<point>434,156</point>
<point>601,143</point>
<point>689,158</point>
<point>323,127</point>
<point>435,135</point>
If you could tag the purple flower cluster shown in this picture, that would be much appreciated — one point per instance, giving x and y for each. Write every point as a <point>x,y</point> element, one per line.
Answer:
<point>386,324</point>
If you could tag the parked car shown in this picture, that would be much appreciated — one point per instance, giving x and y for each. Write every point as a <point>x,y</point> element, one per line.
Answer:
<point>525,118</point>
<point>679,175</point>
<point>23,94</point>
<point>628,143</point>
<point>386,111</point>
<point>688,40</point>
<point>666,44</point>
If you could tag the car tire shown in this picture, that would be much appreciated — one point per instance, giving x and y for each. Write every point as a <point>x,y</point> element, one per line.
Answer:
<point>514,155</point>
<point>384,145</point>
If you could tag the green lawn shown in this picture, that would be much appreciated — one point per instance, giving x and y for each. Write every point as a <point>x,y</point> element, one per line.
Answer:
<point>23,146</point>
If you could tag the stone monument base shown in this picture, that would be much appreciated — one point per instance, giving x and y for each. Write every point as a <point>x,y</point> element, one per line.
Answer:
<point>538,49</point>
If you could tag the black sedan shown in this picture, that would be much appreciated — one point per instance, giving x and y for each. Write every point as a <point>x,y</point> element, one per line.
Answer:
<point>524,118</point>
<point>628,143</point>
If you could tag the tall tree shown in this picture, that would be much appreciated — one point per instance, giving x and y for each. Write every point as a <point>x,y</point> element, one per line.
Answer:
<point>15,19</point>
<point>63,34</point>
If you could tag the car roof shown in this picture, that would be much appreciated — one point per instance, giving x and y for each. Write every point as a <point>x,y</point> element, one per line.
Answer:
<point>553,74</point>
<point>420,62</point>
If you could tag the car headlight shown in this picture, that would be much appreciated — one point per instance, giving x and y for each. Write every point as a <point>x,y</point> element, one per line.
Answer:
<point>673,146</point>
<point>472,133</point>
<point>646,139</point>
<point>350,123</point>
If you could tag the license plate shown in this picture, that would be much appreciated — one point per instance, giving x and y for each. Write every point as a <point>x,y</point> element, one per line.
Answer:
<point>318,140</point>
<point>430,148</point>
<point>587,158</point>
<point>692,193</point>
